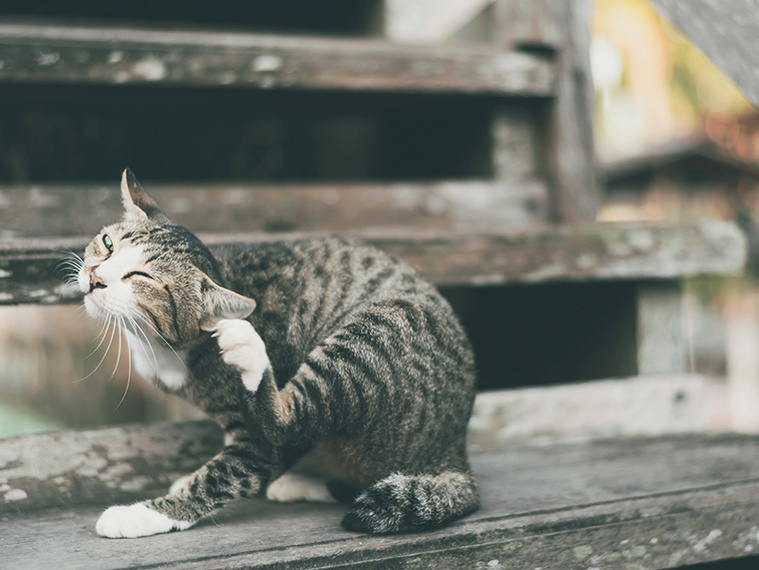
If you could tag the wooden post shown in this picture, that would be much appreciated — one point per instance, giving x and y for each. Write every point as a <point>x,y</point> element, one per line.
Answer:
<point>561,26</point>
<point>662,345</point>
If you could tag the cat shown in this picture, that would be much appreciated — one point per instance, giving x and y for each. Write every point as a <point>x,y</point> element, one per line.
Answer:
<point>352,367</point>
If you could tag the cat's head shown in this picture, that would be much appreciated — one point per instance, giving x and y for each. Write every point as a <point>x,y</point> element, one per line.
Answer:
<point>147,272</point>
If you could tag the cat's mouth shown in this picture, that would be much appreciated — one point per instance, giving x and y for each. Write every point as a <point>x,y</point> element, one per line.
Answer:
<point>94,306</point>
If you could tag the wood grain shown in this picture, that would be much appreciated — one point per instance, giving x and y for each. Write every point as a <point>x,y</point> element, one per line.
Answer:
<point>658,502</point>
<point>37,210</point>
<point>65,54</point>
<point>30,269</point>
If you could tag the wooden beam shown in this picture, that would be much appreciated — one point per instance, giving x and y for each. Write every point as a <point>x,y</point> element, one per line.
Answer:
<point>31,272</point>
<point>657,502</point>
<point>662,342</point>
<point>54,53</point>
<point>561,27</point>
<point>36,210</point>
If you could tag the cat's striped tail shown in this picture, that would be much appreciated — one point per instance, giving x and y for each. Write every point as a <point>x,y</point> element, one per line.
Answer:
<point>407,503</point>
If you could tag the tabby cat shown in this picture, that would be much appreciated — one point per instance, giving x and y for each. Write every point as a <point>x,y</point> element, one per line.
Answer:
<point>353,370</point>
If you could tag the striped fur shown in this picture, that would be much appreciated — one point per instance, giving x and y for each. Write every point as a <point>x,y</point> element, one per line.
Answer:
<point>370,376</point>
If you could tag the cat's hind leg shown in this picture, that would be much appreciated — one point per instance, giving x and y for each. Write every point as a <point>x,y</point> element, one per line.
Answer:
<point>408,503</point>
<point>294,487</point>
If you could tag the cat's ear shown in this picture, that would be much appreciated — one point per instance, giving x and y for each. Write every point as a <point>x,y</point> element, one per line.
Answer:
<point>137,203</point>
<point>220,303</point>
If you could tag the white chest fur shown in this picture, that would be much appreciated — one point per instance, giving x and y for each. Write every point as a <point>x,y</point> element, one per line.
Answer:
<point>156,362</point>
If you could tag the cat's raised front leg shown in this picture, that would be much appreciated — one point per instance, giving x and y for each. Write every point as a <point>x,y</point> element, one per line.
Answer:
<point>242,348</point>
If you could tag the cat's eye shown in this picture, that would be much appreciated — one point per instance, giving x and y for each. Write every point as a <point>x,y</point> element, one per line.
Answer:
<point>108,243</point>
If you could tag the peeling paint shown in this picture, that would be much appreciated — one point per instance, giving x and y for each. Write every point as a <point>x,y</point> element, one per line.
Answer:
<point>115,56</point>
<point>48,58</point>
<point>703,544</point>
<point>151,69</point>
<point>582,552</point>
<point>16,495</point>
<point>264,63</point>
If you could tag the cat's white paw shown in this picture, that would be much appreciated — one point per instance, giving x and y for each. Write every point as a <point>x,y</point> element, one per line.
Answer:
<point>291,487</point>
<point>242,347</point>
<point>136,520</point>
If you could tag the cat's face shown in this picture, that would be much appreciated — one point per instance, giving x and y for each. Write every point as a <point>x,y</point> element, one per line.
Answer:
<point>149,274</point>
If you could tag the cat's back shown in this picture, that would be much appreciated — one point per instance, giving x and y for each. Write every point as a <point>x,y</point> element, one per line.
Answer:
<point>307,289</point>
<point>323,270</point>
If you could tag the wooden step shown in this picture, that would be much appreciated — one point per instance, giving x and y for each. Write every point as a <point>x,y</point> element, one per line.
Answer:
<point>652,502</point>
<point>30,268</point>
<point>34,53</point>
<point>64,210</point>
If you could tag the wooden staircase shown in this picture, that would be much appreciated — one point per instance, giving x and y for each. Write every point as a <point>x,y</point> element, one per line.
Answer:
<point>472,158</point>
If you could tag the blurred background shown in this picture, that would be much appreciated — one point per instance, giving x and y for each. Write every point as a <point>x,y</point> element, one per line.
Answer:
<point>675,140</point>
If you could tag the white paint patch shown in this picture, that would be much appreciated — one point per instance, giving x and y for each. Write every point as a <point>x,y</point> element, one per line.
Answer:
<point>48,58</point>
<point>151,69</point>
<point>703,544</point>
<point>265,63</point>
<point>292,487</point>
<point>115,56</point>
<point>16,495</point>
<point>242,348</point>
<point>37,293</point>
<point>134,521</point>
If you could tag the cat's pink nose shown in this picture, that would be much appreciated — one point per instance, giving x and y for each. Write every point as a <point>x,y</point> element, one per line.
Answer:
<point>96,282</point>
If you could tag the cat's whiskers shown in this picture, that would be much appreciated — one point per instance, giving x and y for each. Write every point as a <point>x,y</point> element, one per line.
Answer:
<point>129,353</point>
<point>101,335</point>
<point>109,322</point>
<point>159,335</point>
<point>119,324</point>
<point>72,266</point>
<point>138,329</point>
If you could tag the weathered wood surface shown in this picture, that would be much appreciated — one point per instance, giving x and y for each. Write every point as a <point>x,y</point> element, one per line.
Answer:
<point>123,463</point>
<point>662,342</point>
<point>535,24</point>
<point>655,503</point>
<point>31,270</point>
<point>82,467</point>
<point>561,26</point>
<point>64,54</point>
<point>640,406</point>
<point>36,210</point>
<point>724,32</point>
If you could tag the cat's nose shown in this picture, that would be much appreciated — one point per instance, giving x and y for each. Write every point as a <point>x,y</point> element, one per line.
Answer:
<point>96,282</point>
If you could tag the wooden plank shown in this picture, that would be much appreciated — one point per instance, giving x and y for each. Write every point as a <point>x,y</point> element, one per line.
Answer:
<point>80,467</point>
<point>641,406</point>
<point>35,210</point>
<point>30,268</point>
<point>55,53</point>
<point>125,462</point>
<point>655,503</point>
<point>724,34</point>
